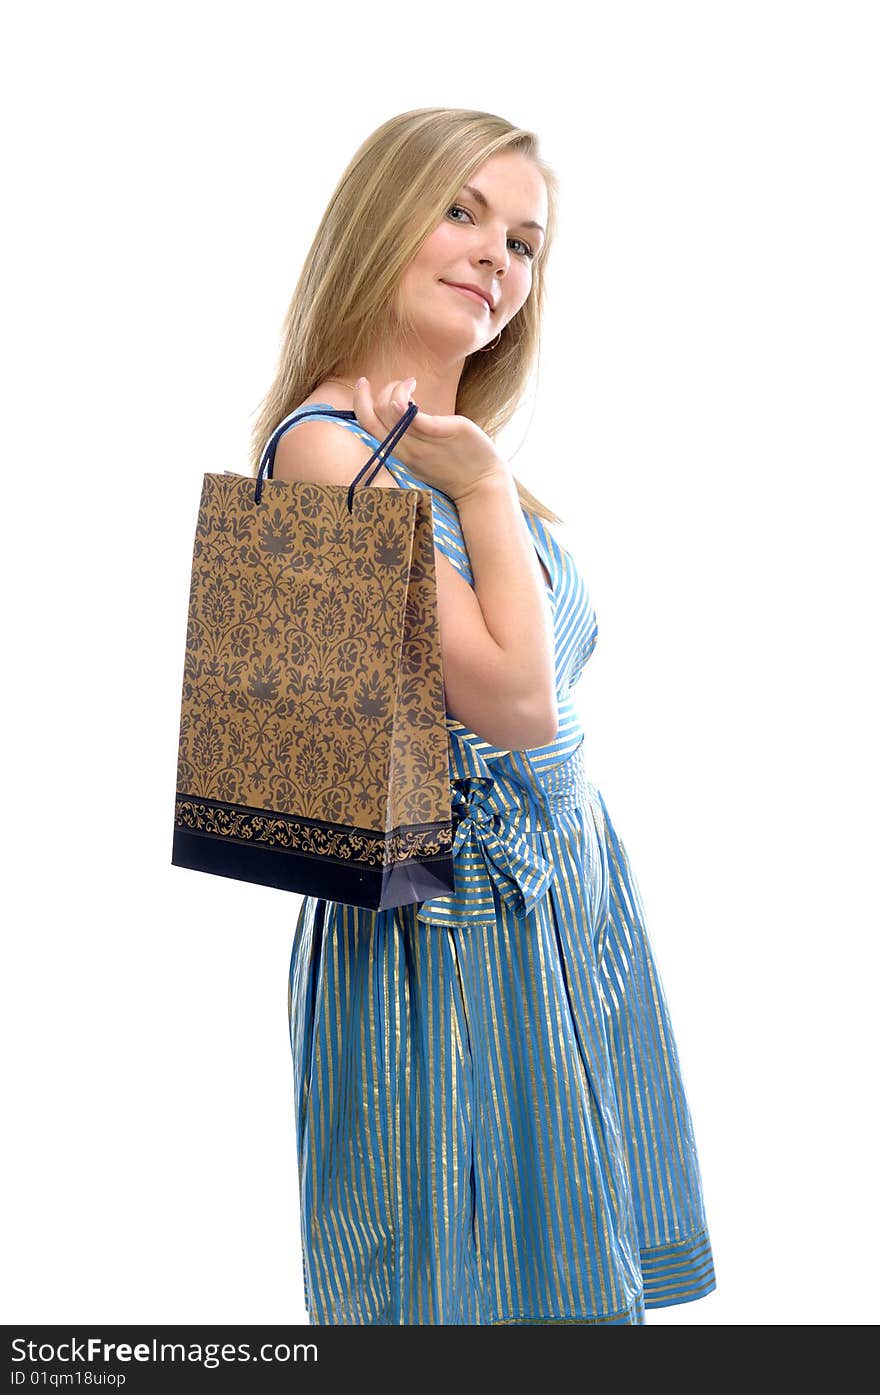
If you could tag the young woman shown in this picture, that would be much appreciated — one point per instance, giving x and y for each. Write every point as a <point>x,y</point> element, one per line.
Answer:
<point>491,1121</point>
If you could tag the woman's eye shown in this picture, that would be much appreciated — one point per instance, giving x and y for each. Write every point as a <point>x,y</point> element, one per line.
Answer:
<point>529,252</point>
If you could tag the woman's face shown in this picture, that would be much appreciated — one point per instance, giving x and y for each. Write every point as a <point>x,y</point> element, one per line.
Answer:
<point>489,246</point>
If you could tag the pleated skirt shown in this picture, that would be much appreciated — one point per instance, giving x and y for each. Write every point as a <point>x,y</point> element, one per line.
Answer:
<point>492,1126</point>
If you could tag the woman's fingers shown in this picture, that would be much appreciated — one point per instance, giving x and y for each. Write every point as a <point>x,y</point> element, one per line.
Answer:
<point>364,407</point>
<point>395,398</point>
<point>387,407</point>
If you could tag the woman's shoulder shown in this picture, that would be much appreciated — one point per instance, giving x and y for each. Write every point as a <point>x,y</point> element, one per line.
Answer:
<point>326,449</point>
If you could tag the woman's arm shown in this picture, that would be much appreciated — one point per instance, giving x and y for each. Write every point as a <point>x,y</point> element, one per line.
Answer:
<point>515,608</point>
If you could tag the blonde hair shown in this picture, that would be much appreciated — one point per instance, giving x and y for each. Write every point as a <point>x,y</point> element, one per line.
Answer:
<point>395,190</point>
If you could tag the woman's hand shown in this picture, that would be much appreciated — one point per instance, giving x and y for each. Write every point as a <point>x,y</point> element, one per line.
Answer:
<point>451,453</point>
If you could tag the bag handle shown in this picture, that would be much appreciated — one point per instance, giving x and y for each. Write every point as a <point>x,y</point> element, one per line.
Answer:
<point>384,449</point>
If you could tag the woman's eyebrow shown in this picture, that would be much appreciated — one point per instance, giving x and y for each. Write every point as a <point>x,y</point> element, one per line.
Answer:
<point>484,203</point>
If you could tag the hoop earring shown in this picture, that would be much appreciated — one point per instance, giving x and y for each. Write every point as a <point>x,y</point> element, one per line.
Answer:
<point>486,347</point>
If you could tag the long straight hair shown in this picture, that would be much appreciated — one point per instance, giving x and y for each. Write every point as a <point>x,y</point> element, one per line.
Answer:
<point>395,190</point>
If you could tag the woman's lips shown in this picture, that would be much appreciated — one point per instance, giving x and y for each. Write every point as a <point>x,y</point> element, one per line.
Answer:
<point>473,295</point>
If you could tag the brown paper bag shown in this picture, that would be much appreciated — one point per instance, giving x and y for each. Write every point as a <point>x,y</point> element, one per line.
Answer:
<point>313,751</point>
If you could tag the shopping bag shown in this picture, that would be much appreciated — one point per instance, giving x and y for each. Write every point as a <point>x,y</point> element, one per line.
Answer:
<point>313,753</point>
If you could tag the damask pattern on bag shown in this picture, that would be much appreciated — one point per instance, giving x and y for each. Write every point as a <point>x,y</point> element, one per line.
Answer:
<point>313,711</point>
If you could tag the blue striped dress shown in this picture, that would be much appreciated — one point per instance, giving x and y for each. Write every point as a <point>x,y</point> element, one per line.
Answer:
<point>491,1122</point>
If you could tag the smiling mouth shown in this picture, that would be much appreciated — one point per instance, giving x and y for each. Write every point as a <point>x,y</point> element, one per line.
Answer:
<point>481,300</point>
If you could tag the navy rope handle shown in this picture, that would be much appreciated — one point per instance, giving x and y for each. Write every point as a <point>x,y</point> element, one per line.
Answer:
<point>384,449</point>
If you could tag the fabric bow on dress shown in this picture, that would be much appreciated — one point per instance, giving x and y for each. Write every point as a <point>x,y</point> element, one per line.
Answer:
<point>488,852</point>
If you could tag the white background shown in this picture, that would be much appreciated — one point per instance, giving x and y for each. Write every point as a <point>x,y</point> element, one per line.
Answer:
<point>706,419</point>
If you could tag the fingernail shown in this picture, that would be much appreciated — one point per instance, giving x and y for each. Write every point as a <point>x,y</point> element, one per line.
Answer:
<point>360,381</point>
